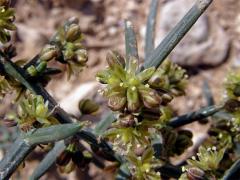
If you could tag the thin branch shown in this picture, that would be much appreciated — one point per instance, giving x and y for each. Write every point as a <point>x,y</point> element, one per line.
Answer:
<point>48,160</point>
<point>104,124</point>
<point>27,142</point>
<point>130,42</point>
<point>14,157</point>
<point>150,30</point>
<point>233,172</point>
<point>177,33</point>
<point>208,93</point>
<point>11,70</point>
<point>194,116</point>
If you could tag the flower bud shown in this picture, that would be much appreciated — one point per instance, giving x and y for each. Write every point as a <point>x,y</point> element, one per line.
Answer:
<point>127,120</point>
<point>166,98</point>
<point>195,174</point>
<point>82,56</point>
<point>117,103</point>
<point>32,71</point>
<point>114,58</point>
<point>73,20</point>
<point>150,97</point>
<point>48,53</point>
<point>232,105</point>
<point>41,110</point>
<point>139,151</point>
<point>133,99</point>
<point>146,74</point>
<point>73,33</point>
<point>158,81</point>
<point>64,158</point>
<point>101,153</point>
<point>41,66</point>
<point>103,76</point>
<point>87,106</point>
<point>8,24</point>
<point>4,36</point>
<point>82,159</point>
<point>78,158</point>
<point>67,168</point>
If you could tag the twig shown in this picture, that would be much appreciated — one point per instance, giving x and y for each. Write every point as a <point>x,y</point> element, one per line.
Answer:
<point>150,31</point>
<point>177,33</point>
<point>194,116</point>
<point>48,160</point>
<point>233,172</point>
<point>14,157</point>
<point>208,93</point>
<point>130,42</point>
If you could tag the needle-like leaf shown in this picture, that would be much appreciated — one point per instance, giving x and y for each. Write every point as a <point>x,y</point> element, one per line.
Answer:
<point>150,30</point>
<point>177,33</point>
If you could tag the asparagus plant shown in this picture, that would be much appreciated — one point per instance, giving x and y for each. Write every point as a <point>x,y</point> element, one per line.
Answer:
<point>139,135</point>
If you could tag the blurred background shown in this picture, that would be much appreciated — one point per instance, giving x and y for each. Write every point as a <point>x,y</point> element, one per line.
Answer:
<point>208,52</point>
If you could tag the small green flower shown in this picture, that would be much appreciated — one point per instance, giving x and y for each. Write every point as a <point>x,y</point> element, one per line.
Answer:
<point>66,48</point>
<point>208,159</point>
<point>72,157</point>
<point>6,22</point>
<point>127,88</point>
<point>129,131</point>
<point>193,174</point>
<point>169,77</point>
<point>232,85</point>
<point>143,167</point>
<point>4,87</point>
<point>87,106</point>
<point>69,39</point>
<point>33,112</point>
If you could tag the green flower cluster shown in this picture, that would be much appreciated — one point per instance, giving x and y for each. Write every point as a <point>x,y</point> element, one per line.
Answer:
<point>208,158</point>
<point>140,99</point>
<point>33,113</point>
<point>130,89</point>
<point>7,18</point>
<point>143,166</point>
<point>73,157</point>
<point>4,87</point>
<point>232,104</point>
<point>66,48</point>
<point>205,164</point>
<point>175,142</point>
<point>232,85</point>
<point>169,77</point>
<point>131,131</point>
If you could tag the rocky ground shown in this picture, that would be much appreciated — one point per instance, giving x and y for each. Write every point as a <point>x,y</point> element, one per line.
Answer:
<point>208,52</point>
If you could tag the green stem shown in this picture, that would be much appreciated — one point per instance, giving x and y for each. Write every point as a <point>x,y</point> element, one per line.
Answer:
<point>11,70</point>
<point>194,116</point>
<point>130,42</point>
<point>233,172</point>
<point>177,33</point>
<point>48,160</point>
<point>14,157</point>
<point>150,31</point>
<point>208,93</point>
